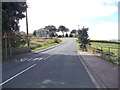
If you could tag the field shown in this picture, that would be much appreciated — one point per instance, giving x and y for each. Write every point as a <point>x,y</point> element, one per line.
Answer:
<point>113,51</point>
<point>107,45</point>
<point>38,43</point>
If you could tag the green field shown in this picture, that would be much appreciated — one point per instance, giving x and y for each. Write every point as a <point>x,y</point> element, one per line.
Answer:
<point>104,44</point>
<point>106,50</point>
<point>115,51</point>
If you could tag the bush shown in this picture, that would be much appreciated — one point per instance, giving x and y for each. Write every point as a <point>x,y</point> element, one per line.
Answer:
<point>56,40</point>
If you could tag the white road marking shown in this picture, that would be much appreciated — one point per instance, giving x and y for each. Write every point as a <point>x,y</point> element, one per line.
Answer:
<point>35,59</point>
<point>23,59</point>
<point>25,69</point>
<point>48,57</point>
<point>17,74</point>
<point>40,59</point>
<point>29,59</point>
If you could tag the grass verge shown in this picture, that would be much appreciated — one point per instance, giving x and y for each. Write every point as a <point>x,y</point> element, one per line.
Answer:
<point>45,46</point>
<point>70,38</point>
<point>110,58</point>
<point>77,46</point>
<point>42,43</point>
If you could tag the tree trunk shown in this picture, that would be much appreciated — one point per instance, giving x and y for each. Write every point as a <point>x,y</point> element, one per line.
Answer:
<point>63,33</point>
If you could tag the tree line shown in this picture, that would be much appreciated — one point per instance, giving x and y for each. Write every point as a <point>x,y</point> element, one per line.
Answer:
<point>52,30</point>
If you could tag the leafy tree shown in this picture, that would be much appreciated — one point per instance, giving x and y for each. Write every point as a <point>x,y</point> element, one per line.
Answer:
<point>74,32</point>
<point>71,35</point>
<point>63,29</point>
<point>83,37</point>
<point>52,30</point>
<point>12,12</point>
<point>66,35</point>
<point>66,30</point>
<point>34,32</point>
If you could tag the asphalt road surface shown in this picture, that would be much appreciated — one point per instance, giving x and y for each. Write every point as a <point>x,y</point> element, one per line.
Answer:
<point>59,67</point>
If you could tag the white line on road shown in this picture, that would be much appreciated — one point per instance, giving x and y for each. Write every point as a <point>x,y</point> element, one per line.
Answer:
<point>48,57</point>
<point>17,74</point>
<point>24,70</point>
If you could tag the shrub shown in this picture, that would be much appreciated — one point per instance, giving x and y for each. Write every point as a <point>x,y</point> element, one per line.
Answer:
<point>56,40</point>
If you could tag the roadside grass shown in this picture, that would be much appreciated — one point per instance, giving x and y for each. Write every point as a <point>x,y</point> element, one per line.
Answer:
<point>115,51</point>
<point>36,37</point>
<point>106,50</point>
<point>70,38</point>
<point>104,44</point>
<point>62,41</point>
<point>77,46</point>
<point>112,59</point>
<point>45,46</point>
<point>38,43</point>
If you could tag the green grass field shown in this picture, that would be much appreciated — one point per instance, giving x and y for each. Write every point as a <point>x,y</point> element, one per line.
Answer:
<point>104,44</point>
<point>105,50</point>
<point>107,45</point>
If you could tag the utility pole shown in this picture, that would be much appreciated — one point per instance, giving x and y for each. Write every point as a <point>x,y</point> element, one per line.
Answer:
<point>78,27</point>
<point>27,28</point>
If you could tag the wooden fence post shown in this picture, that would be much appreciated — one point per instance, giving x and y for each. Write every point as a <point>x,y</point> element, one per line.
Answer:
<point>102,51</point>
<point>109,52</point>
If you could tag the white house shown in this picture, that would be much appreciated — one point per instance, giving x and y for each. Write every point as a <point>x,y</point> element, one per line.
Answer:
<point>42,33</point>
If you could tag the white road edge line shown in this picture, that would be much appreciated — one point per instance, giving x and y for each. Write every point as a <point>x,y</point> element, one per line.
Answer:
<point>17,74</point>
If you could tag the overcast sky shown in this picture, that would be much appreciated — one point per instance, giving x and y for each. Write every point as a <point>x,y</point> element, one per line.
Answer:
<point>100,16</point>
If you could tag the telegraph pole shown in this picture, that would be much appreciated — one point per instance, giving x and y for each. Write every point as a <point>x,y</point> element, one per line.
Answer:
<point>78,27</point>
<point>27,28</point>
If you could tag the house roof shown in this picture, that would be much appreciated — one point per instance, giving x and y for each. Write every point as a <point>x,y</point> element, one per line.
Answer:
<point>42,29</point>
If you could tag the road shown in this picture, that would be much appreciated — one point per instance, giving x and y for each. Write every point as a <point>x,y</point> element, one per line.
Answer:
<point>59,67</point>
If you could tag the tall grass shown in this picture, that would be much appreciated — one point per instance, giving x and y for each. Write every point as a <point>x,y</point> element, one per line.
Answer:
<point>38,43</point>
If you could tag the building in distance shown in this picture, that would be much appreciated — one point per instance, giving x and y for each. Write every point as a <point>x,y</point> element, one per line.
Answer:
<point>42,32</point>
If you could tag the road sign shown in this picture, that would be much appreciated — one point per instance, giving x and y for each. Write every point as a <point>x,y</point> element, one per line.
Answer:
<point>5,35</point>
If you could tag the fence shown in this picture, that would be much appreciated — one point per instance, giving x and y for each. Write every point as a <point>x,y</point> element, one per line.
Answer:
<point>15,51</point>
<point>106,52</point>
<point>11,45</point>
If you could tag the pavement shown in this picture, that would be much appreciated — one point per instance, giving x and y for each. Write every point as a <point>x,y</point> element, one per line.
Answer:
<point>105,73</point>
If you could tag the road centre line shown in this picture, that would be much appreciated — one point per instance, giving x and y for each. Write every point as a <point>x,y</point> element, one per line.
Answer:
<point>17,74</point>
